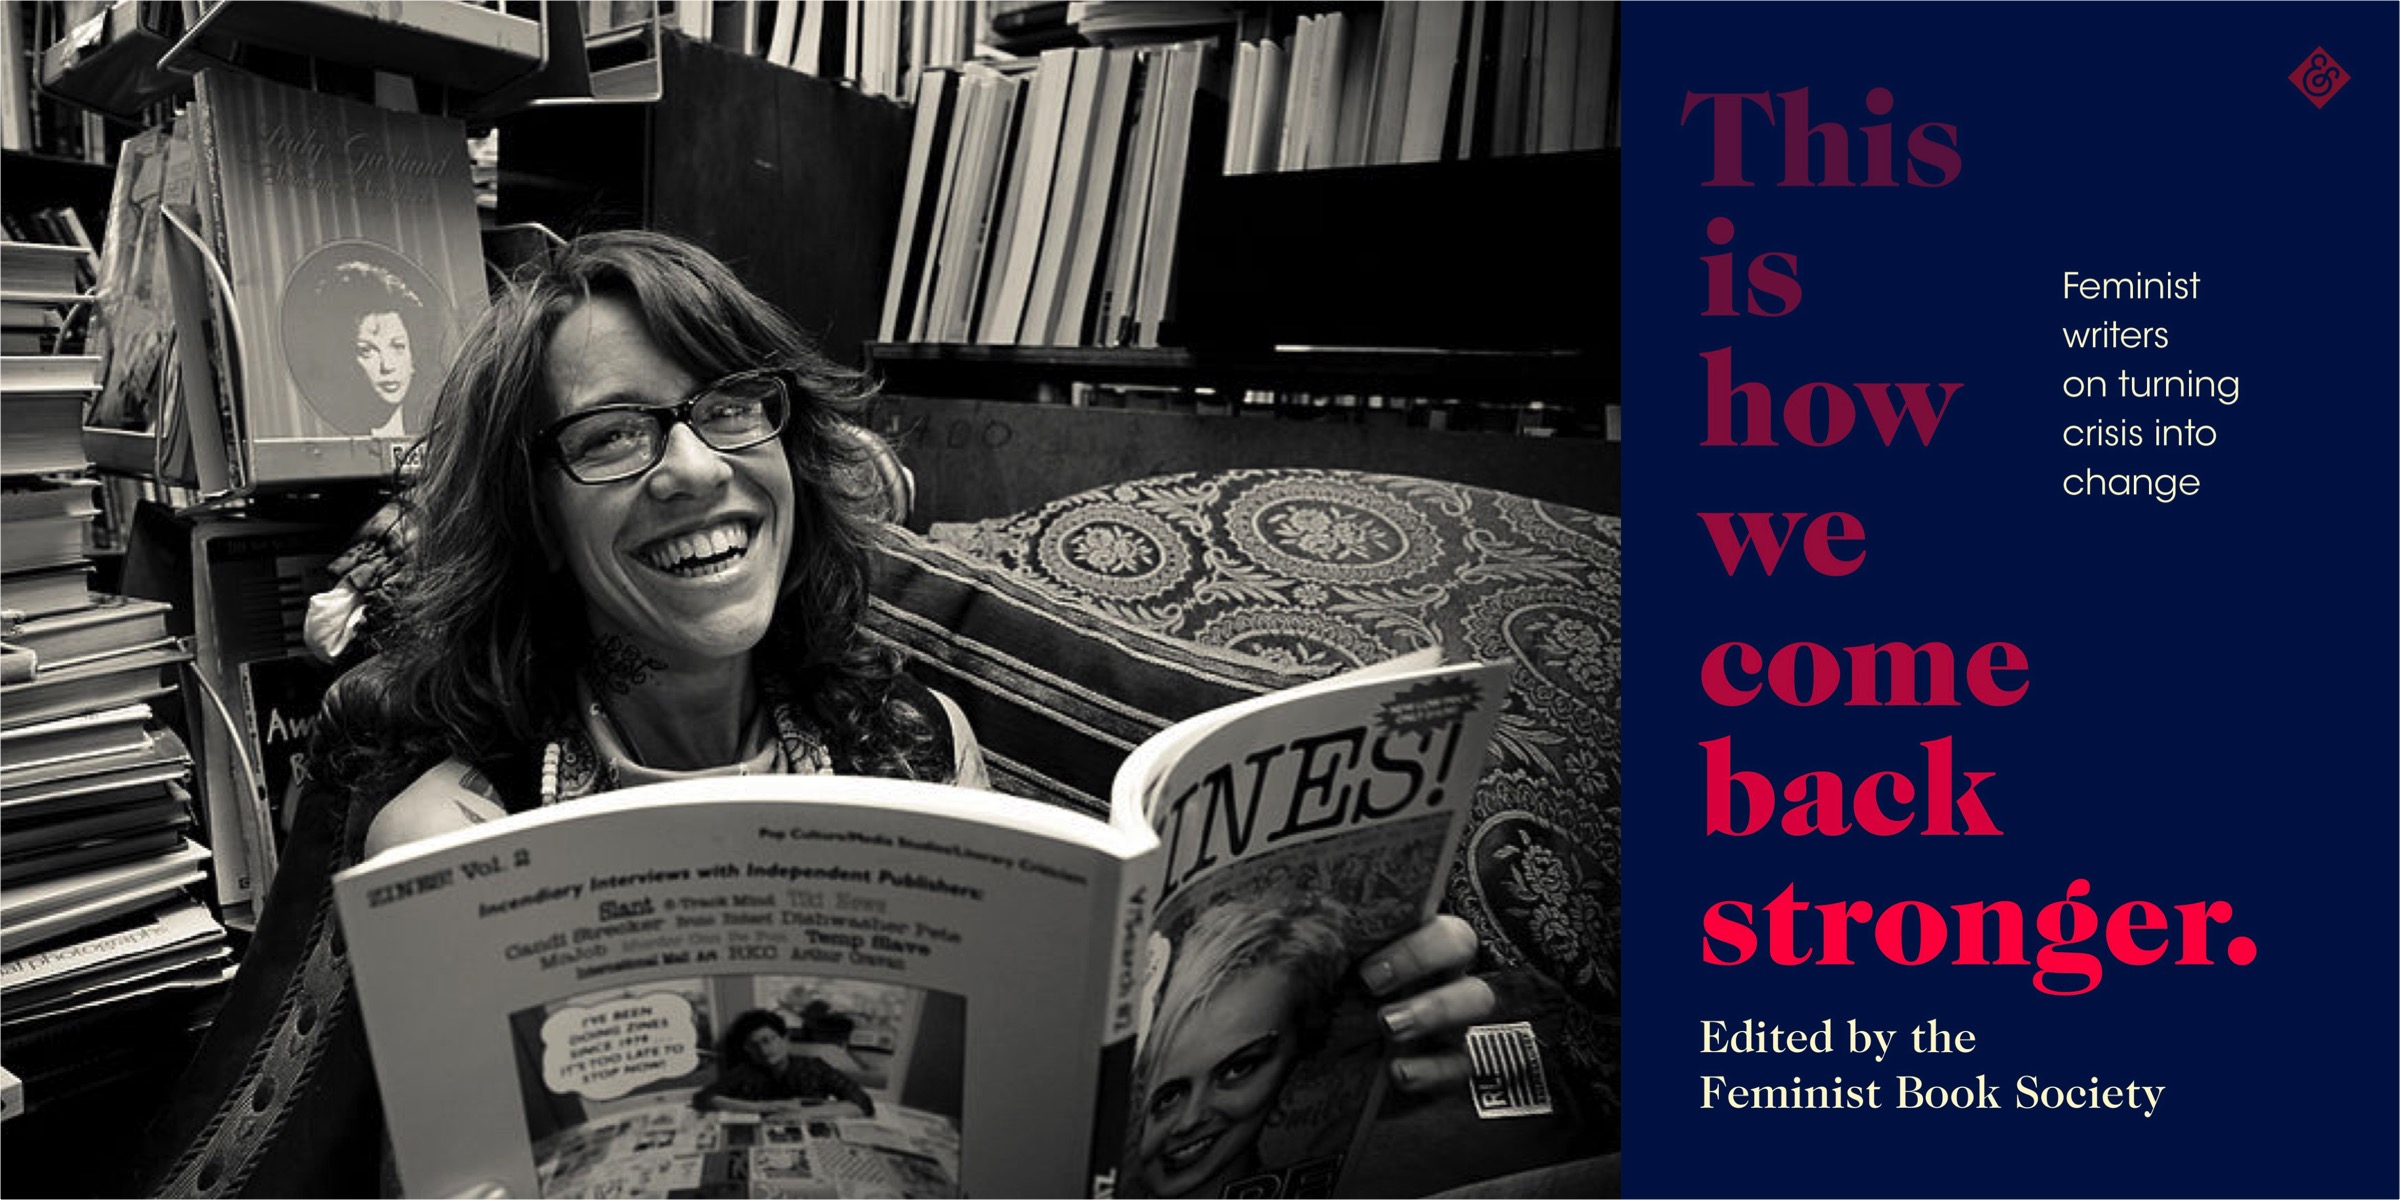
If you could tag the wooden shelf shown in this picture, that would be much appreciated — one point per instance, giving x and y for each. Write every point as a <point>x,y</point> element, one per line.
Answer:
<point>445,42</point>
<point>1042,372</point>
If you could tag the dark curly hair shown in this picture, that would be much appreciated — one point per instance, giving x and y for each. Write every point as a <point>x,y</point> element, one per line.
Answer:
<point>485,642</point>
<point>734,1046</point>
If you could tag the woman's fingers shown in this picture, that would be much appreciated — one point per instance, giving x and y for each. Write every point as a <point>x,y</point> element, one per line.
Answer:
<point>1443,945</point>
<point>1436,1020</point>
<point>1444,1011</point>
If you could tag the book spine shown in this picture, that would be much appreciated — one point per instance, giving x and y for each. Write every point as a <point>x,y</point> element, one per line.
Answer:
<point>1130,975</point>
<point>210,111</point>
<point>925,152</point>
<point>198,430</point>
<point>180,925</point>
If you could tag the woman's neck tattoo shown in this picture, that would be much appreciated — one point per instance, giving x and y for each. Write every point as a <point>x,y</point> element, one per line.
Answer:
<point>618,665</point>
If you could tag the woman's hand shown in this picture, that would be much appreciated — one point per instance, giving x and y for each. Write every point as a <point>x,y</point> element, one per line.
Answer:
<point>1429,961</point>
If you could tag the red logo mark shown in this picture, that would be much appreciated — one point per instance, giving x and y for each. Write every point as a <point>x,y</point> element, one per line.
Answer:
<point>2319,77</point>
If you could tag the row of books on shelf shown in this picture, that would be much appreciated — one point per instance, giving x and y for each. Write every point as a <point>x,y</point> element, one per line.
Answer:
<point>1032,26</point>
<point>31,120</point>
<point>884,46</point>
<point>880,45</point>
<point>1434,81</point>
<point>1043,202</point>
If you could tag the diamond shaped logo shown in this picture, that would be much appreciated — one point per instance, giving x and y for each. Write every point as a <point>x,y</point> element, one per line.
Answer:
<point>2318,77</point>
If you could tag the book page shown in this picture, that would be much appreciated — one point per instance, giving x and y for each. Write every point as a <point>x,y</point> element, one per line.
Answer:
<point>550,998</point>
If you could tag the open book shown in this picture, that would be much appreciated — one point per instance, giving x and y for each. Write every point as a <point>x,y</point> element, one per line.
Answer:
<point>977,994</point>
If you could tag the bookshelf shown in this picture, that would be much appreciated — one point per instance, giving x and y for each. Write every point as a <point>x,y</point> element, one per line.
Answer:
<point>37,181</point>
<point>225,580</point>
<point>1449,310</point>
<point>108,62</point>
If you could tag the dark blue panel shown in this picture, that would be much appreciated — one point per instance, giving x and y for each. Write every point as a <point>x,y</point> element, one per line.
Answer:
<point>2209,710</point>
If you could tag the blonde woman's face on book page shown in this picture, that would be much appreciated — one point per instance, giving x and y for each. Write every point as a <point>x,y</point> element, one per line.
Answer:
<point>1218,1081</point>
<point>687,558</point>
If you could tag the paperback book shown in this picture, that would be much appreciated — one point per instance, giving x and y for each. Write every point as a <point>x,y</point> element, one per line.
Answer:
<point>921,989</point>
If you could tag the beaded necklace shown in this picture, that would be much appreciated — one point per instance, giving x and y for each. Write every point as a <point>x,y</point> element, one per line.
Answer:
<point>592,758</point>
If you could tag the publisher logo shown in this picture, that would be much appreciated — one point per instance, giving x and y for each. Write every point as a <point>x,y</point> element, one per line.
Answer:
<point>2318,77</point>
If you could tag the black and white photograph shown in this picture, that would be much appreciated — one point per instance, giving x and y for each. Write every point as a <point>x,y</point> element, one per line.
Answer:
<point>953,409</point>
<point>766,1085</point>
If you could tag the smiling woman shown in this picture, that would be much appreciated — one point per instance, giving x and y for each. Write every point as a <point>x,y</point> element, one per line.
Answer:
<point>636,559</point>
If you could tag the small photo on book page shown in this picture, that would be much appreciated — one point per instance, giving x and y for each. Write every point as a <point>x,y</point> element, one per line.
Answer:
<point>744,1085</point>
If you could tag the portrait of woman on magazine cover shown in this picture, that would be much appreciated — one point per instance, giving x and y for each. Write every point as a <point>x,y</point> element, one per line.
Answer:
<point>364,332</point>
<point>1251,993</point>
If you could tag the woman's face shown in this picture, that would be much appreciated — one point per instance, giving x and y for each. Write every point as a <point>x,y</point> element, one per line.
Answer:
<point>1216,1083</point>
<point>767,1047</point>
<point>384,356</point>
<point>686,559</point>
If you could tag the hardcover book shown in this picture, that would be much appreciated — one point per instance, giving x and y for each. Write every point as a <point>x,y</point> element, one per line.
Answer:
<point>60,587</point>
<point>988,995</point>
<point>175,936</point>
<point>112,625</point>
<point>349,243</point>
<point>105,683</point>
<point>104,732</point>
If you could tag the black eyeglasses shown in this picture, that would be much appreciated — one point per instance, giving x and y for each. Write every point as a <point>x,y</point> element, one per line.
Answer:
<point>619,441</point>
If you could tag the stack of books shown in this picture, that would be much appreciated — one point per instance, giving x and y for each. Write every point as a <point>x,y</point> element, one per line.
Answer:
<point>94,815</point>
<point>97,908</point>
<point>95,863</point>
<point>46,508</point>
<point>47,277</point>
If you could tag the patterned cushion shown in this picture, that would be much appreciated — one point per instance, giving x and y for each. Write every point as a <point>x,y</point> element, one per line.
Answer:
<point>1324,570</point>
<point>1057,697</point>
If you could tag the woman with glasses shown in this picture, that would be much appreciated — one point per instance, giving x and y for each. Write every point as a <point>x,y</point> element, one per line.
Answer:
<point>636,562</point>
<point>635,559</point>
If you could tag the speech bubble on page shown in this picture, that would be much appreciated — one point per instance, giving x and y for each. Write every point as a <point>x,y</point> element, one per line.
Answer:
<point>604,1051</point>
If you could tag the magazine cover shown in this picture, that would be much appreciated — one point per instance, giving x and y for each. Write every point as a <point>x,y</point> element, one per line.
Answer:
<point>1292,847</point>
<point>349,240</point>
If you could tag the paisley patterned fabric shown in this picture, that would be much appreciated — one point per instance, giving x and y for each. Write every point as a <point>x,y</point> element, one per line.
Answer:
<point>1317,571</point>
